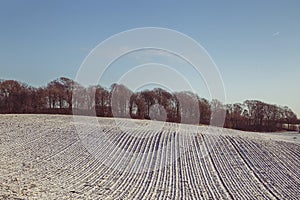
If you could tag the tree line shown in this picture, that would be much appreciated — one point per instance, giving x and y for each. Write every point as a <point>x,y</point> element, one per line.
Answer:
<point>65,96</point>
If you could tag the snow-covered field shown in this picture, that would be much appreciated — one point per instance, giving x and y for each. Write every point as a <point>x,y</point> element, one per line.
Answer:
<point>55,157</point>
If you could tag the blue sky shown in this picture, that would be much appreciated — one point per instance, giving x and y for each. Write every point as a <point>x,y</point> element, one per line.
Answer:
<point>255,44</point>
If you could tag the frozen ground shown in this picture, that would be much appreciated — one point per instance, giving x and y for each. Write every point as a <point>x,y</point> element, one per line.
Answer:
<point>53,157</point>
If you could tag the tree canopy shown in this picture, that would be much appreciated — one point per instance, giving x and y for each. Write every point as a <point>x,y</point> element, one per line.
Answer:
<point>57,97</point>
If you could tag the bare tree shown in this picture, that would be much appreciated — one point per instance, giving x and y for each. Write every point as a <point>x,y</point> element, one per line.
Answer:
<point>65,96</point>
<point>102,102</point>
<point>120,100</point>
<point>12,93</point>
<point>205,112</point>
<point>188,107</point>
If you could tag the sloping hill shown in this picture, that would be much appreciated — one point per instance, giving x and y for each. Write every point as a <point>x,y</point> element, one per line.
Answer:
<point>57,157</point>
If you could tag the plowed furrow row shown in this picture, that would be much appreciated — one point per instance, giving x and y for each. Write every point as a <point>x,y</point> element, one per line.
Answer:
<point>269,170</point>
<point>227,160</point>
<point>54,157</point>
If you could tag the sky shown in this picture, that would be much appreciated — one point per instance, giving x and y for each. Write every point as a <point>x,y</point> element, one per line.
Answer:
<point>254,44</point>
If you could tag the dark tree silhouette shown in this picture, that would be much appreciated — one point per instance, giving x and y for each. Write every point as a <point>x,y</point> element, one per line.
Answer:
<point>65,96</point>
